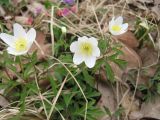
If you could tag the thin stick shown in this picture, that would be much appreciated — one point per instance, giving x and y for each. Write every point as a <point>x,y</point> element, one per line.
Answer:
<point>130,106</point>
<point>39,47</point>
<point>51,30</point>
<point>98,22</point>
<point>55,108</point>
<point>41,97</point>
<point>76,83</point>
<point>57,96</point>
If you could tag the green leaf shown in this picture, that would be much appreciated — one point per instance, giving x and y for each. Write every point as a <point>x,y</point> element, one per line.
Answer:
<point>103,45</point>
<point>48,4</point>
<point>28,70</point>
<point>158,88</point>
<point>57,33</point>
<point>98,65</point>
<point>31,88</point>
<point>67,98</point>
<point>108,112</point>
<point>4,2</point>
<point>121,63</point>
<point>66,58</point>
<point>22,104</point>
<point>88,78</point>
<point>34,57</point>
<point>53,85</point>
<point>109,72</point>
<point>119,112</point>
<point>93,94</point>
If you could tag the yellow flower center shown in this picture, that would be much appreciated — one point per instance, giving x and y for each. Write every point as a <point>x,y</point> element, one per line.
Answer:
<point>21,44</point>
<point>116,28</point>
<point>86,48</point>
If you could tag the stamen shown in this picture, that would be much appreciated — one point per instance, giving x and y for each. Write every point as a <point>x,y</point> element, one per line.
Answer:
<point>20,44</point>
<point>86,48</point>
<point>116,28</point>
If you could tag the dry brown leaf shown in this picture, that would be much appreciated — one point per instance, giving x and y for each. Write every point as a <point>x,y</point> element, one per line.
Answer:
<point>9,25</point>
<point>145,77</point>
<point>149,56</point>
<point>141,4</point>
<point>151,109</point>
<point>46,47</point>
<point>129,39</point>
<point>2,11</point>
<point>9,73</point>
<point>37,8</point>
<point>131,57</point>
<point>135,115</point>
<point>15,2</point>
<point>3,101</point>
<point>148,110</point>
<point>117,70</point>
<point>24,20</point>
<point>156,8</point>
<point>149,60</point>
<point>147,5</point>
<point>126,104</point>
<point>107,99</point>
<point>44,83</point>
<point>133,62</point>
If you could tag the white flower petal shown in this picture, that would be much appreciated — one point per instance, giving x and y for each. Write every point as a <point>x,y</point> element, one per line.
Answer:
<point>78,59</point>
<point>93,41</point>
<point>90,61</point>
<point>74,46</point>
<point>111,23</point>
<point>96,52</point>
<point>122,31</point>
<point>114,33</point>
<point>19,31</point>
<point>14,52</point>
<point>125,26</point>
<point>8,39</point>
<point>118,20</point>
<point>31,35</point>
<point>117,33</point>
<point>82,39</point>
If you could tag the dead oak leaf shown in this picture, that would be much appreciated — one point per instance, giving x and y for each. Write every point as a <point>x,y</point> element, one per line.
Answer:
<point>131,57</point>
<point>128,39</point>
<point>3,101</point>
<point>148,110</point>
<point>107,99</point>
<point>133,62</point>
<point>149,56</point>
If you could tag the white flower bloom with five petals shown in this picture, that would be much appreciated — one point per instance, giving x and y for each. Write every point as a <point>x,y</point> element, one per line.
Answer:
<point>85,49</point>
<point>21,42</point>
<point>116,26</point>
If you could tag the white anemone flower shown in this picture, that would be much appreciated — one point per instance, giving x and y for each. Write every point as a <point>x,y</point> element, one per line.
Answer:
<point>21,42</point>
<point>116,26</point>
<point>85,49</point>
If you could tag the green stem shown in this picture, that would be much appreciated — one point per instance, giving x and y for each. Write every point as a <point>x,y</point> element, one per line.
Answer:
<point>20,64</point>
